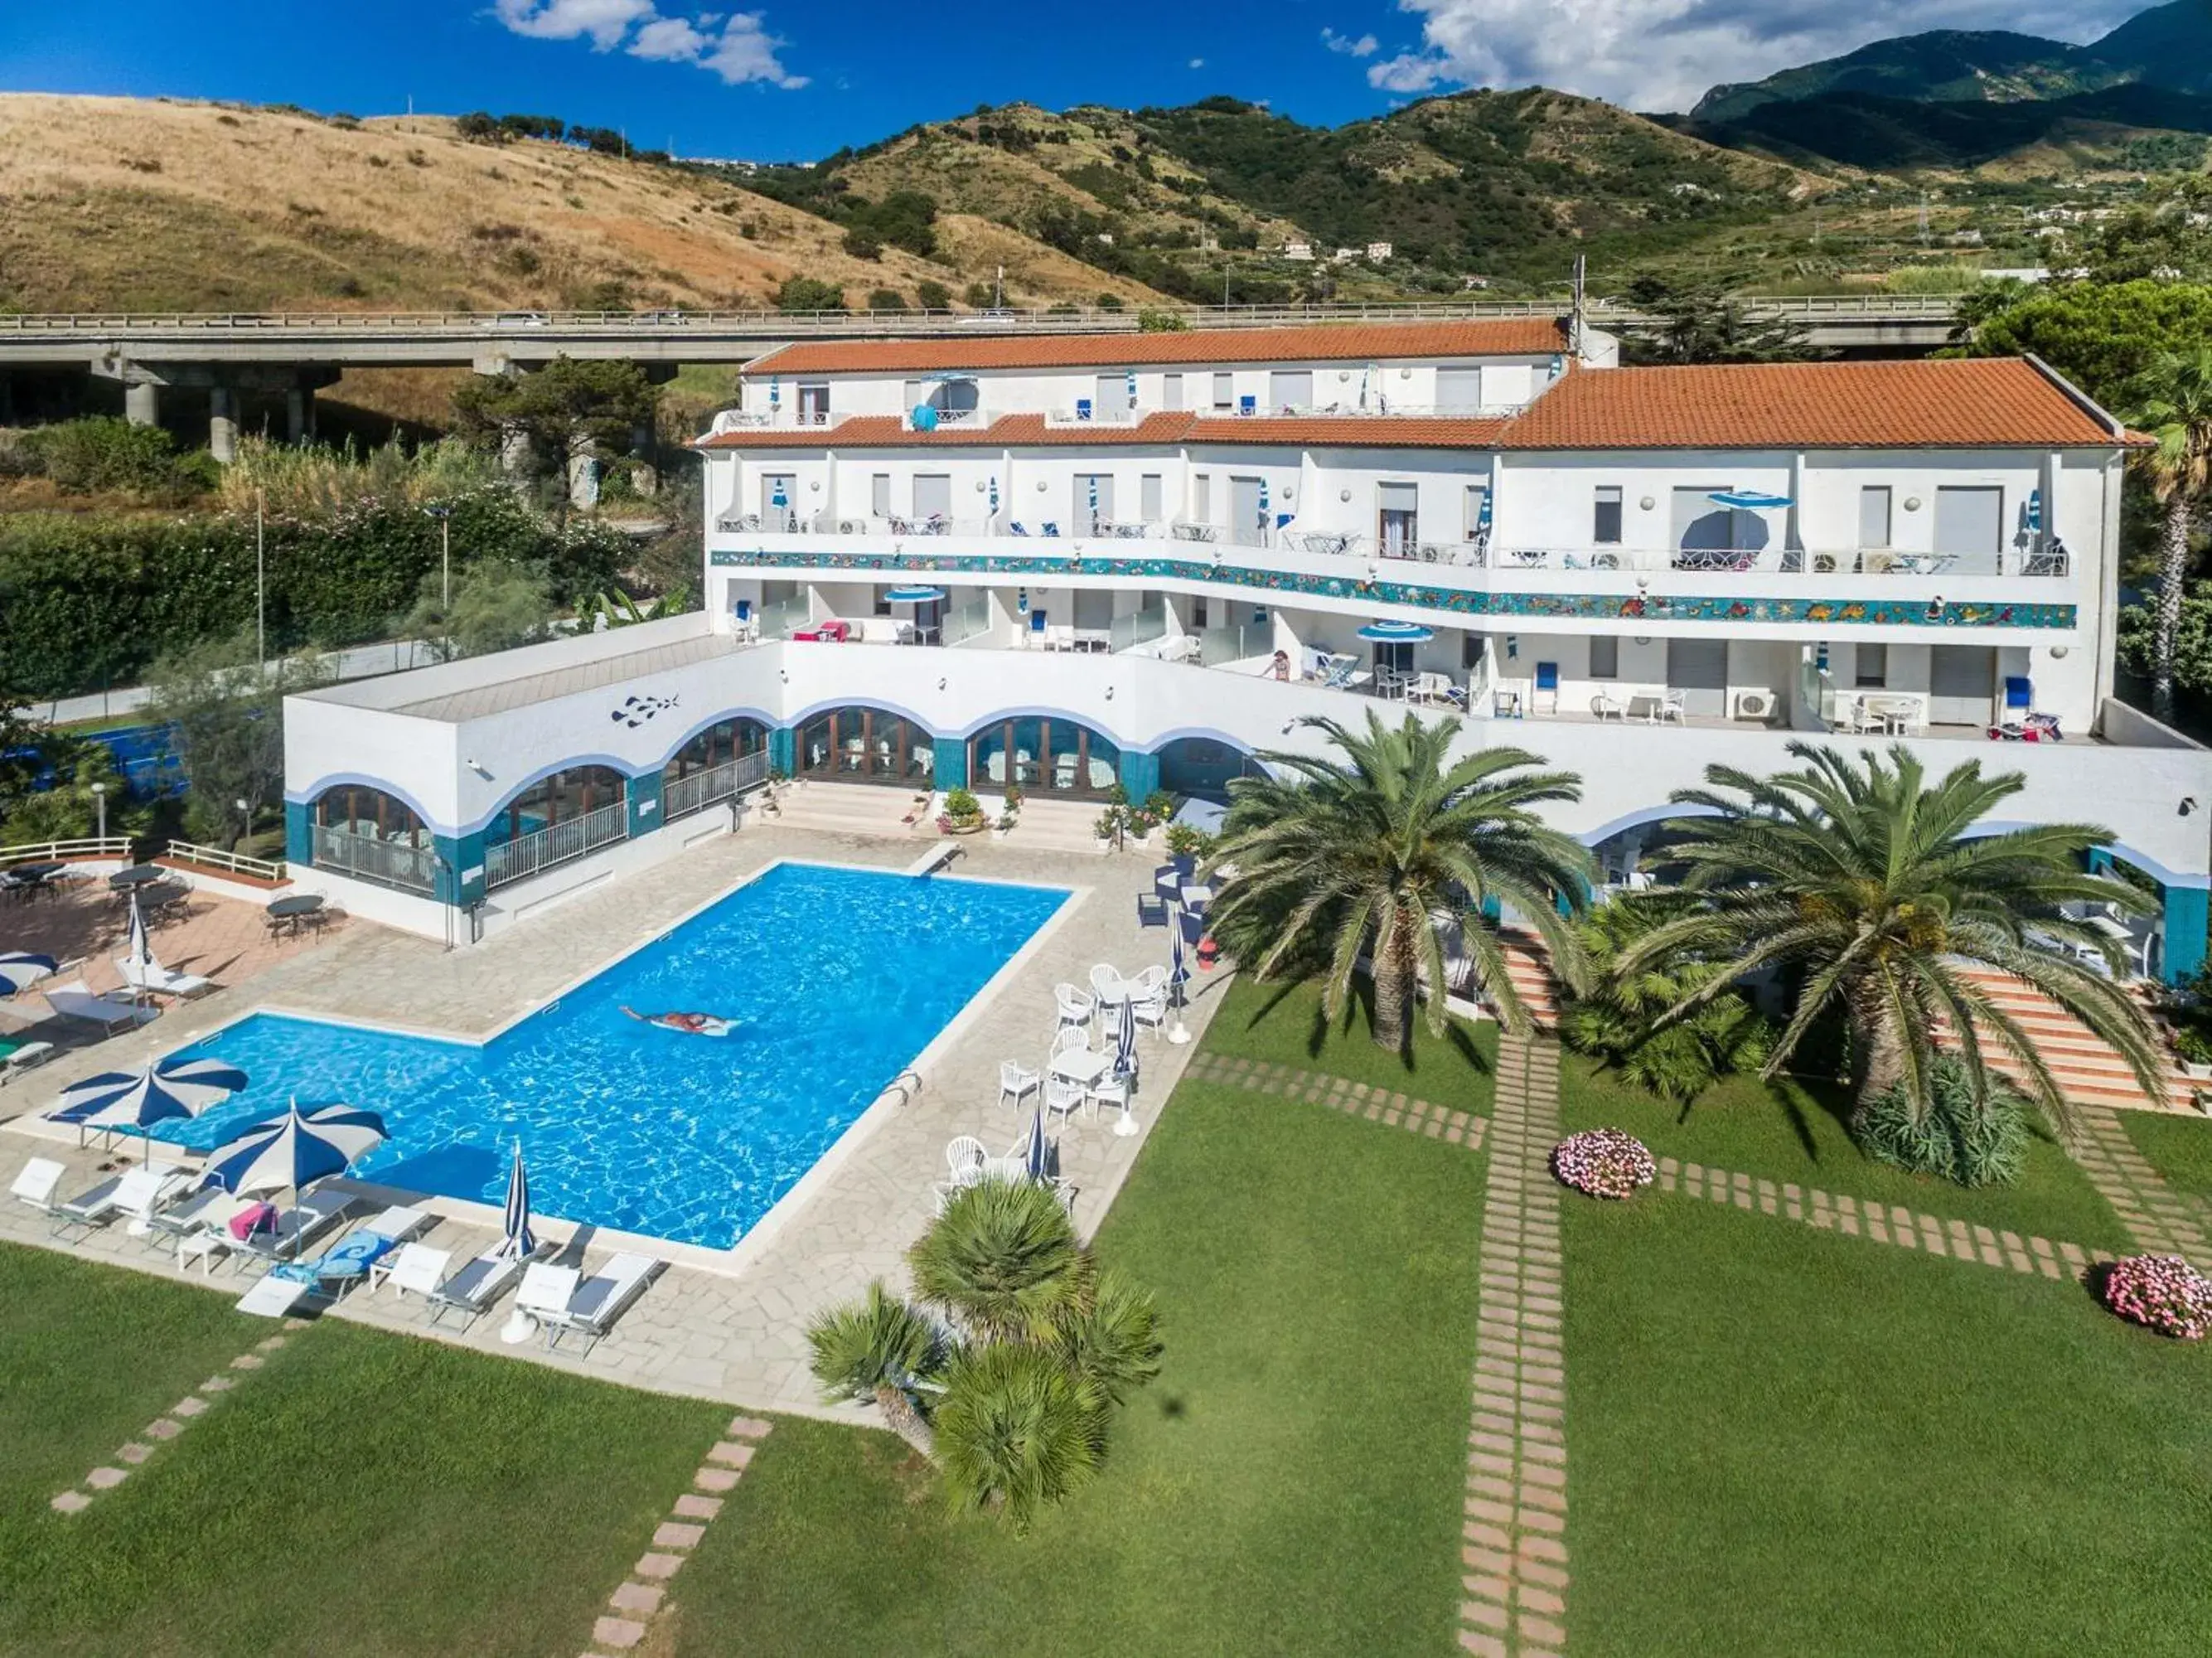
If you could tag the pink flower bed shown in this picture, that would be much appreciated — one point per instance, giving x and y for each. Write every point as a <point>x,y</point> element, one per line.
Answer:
<point>2162,1293</point>
<point>1604,1162</point>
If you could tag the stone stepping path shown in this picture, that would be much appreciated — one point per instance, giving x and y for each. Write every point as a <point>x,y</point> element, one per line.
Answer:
<point>2159,1218</point>
<point>1358,1099</point>
<point>1514,1548</point>
<point>1891,1223</point>
<point>632,1608</point>
<point>169,1426</point>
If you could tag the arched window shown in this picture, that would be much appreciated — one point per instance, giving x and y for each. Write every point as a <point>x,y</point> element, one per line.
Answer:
<point>372,836</point>
<point>866,744</point>
<point>560,798</point>
<point>1044,756</point>
<point>718,745</point>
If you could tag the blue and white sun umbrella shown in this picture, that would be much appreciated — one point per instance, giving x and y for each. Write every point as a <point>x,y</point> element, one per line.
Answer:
<point>520,1244</point>
<point>2035,512</point>
<point>173,1088</point>
<point>1482,515</point>
<point>1036,1155</point>
<point>1397,633</point>
<point>780,498</point>
<point>775,392</point>
<point>20,970</point>
<point>994,493</point>
<point>1125,1063</point>
<point>913,595</point>
<point>1748,500</point>
<point>296,1148</point>
<point>1132,377</point>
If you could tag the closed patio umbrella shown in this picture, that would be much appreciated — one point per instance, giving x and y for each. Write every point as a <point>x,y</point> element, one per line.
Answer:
<point>520,1243</point>
<point>1178,976</point>
<point>1125,1063</point>
<point>1036,1155</point>
<point>20,970</point>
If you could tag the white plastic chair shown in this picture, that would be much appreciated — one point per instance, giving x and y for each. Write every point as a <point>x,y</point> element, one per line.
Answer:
<point>1152,1011</point>
<point>1147,983</point>
<point>964,1156</point>
<point>1074,1006</point>
<point>1069,1038</point>
<point>1014,1082</point>
<point>1108,985</point>
<point>1063,1096</point>
<point>1110,1090</point>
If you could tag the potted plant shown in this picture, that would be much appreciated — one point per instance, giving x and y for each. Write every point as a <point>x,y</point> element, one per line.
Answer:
<point>2192,1045</point>
<point>1185,842</point>
<point>778,781</point>
<point>1112,827</point>
<point>1011,813</point>
<point>962,813</point>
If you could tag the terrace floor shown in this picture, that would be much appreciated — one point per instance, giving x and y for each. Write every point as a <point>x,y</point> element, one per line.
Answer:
<point>728,1326</point>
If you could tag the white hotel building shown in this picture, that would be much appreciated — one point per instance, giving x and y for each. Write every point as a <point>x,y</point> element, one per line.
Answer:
<point>1139,558</point>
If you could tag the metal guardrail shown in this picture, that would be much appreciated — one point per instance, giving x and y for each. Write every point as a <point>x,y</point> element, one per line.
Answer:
<point>561,843</point>
<point>524,326</point>
<point>398,864</point>
<point>702,790</point>
<point>232,864</point>
<point>65,851</point>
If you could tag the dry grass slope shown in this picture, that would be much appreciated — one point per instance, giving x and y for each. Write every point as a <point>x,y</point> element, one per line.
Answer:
<point>126,204</point>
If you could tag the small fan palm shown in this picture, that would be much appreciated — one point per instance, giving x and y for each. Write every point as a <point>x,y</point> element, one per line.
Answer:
<point>1623,1021</point>
<point>1003,1259</point>
<point>1872,884</point>
<point>880,1350</point>
<point>1366,855</point>
<point>2172,400</point>
<point>1112,1341</point>
<point>1016,1431</point>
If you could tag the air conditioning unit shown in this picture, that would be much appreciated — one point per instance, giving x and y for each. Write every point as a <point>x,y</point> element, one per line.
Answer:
<point>1754,705</point>
<point>852,526</point>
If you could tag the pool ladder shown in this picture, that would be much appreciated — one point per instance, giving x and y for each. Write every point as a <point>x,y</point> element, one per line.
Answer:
<point>905,1085</point>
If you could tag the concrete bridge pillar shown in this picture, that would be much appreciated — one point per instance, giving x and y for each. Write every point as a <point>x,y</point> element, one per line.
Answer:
<point>299,414</point>
<point>7,401</point>
<point>223,424</point>
<point>514,449</point>
<point>141,403</point>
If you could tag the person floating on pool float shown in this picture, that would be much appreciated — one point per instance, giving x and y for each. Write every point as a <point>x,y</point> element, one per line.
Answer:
<point>691,1024</point>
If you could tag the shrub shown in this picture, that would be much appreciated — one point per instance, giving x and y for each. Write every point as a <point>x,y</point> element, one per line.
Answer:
<point>933,296</point>
<point>1604,1162</point>
<point>962,809</point>
<point>1184,841</point>
<point>101,453</point>
<point>1617,1020</point>
<point>886,299</point>
<point>862,245</point>
<point>1970,1144</point>
<point>2162,1293</point>
<point>1110,302</point>
<point>979,295</point>
<point>1163,322</point>
<point>806,294</point>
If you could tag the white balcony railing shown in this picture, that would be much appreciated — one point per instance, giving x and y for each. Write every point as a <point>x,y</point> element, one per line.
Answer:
<point>524,856</point>
<point>702,790</point>
<point>401,863</point>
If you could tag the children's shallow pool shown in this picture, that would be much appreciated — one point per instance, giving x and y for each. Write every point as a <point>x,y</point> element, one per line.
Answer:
<point>832,980</point>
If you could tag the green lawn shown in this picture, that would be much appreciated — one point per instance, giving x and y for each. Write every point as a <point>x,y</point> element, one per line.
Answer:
<point>2179,1147</point>
<point>1283,1023</point>
<point>1794,1131</point>
<point>1291,1484</point>
<point>1785,1442</point>
<point>366,1494</point>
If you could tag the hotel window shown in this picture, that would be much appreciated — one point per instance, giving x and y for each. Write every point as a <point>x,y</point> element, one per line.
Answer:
<point>1605,522</point>
<point>1148,498</point>
<point>1170,391</point>
<point>1477,497</point>
<point>1198,615</point>
<point>1870,665</point>
<point>1605,657</point>
<point>1224,391</point>
<point>1291,388</point>
<point>1201,499</point>
<point>814,403</point>
<point>1874,515</point>
<point>1470,651</point>
<point>879,495</point>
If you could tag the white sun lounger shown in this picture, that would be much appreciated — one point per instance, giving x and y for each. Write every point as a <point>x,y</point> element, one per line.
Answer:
<point>471,1290</point>
<point>419,1269</point>
<point>134,1195</point>
<point>553,1296</point>
<point>165,981</point>
<point>40,1178</point>
<point>78,1001</point>
<point>28,1057</point>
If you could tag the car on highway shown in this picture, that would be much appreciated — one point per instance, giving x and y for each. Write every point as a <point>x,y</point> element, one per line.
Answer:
<point>522,319</point>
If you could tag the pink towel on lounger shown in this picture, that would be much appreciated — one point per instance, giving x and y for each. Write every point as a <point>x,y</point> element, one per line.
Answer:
<point>262,1217</point>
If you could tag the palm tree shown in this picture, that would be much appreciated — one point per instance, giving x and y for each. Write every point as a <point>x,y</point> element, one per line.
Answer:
<point>1015,1430</point>
<point>1003,1259</point>
<point>1112,1341</point>
<point>1623,1019</point>
<point>1872,885</point>
<point>1335,858</point>
<point>2171,400</point>
<point>879,1349</point>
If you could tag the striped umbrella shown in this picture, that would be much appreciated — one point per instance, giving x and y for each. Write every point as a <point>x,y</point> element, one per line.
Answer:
<point>1125,1063</point>
<point>20,970</point>
<point>295,1148</point>
<point>1036,1156</point>
<point>138,948</point>
<point>138,1100</point>
<point>1178,976</point>
<point>520,1244</point>
<point>994,493</point>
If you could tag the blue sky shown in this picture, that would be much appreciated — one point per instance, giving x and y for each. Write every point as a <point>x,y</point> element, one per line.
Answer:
<point>786,82</point>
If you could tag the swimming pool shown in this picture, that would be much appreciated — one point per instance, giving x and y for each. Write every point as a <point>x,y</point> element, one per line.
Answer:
<point>836,979</point>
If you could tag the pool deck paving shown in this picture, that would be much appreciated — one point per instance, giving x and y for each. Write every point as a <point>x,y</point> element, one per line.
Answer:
<point>728,1326</point>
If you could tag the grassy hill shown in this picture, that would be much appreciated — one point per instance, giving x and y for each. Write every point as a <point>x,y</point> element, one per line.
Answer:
<point>123,204</point>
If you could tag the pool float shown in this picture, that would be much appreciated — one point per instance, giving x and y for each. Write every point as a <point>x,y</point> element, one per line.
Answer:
<point>689,1024</point>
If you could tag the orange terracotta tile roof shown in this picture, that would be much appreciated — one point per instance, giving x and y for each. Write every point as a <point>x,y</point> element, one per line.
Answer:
<point>1368,342</point>
<point>1975,403</point>
<point>1156,430</point>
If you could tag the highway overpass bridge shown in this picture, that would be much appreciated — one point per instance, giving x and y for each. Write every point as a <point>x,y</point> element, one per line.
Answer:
<point>295,353</point>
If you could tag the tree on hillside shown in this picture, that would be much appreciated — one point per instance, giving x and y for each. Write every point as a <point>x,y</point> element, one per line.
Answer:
<point>1702,322</point>
<point>2171,400</point>
<point>2166,235</point>
<point>565,409</point>
<point>1364,854</point>
<point>227,712</point>
<point>806,294</point>
<point>2099,335</point>
<point>497,605</point>
<point>1873,888</point>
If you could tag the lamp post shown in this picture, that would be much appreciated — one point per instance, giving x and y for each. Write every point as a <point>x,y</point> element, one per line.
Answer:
<point>445,517</point>
<point>100,809</point>
<point>260,589</point>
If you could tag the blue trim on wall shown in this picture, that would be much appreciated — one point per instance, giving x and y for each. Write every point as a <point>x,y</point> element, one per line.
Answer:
<point>1037,712</point>
<point>950,769</point>
<point>299,836</point>
<point>2188,918</point>
<point>1637,819</point>
<point>798,720</point>
<point>323,786</point>
<point>1454,601</point>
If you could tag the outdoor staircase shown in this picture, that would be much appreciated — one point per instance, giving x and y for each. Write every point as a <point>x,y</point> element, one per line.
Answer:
<point>2088,1069</point>
<point>1528,967</point>
<point>847,809</point>
<point>1059,826</point>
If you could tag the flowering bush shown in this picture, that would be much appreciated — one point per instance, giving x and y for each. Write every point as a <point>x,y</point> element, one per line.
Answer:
<point>1604,1162</point>
<point>2162,1293</point>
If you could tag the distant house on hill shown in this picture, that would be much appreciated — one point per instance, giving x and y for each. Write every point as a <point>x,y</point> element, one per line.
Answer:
<point>1378,252</point>
<point>1297,250</point>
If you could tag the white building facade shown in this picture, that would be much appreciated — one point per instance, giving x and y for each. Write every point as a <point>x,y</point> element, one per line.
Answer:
<point>1137,561</point>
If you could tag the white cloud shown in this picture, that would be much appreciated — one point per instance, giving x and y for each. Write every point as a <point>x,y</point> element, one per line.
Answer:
<point>1365,47</point>
<point>742,52</point>
<point>1663,54</point>
<point>605,20</point>
<point>1198,62</point>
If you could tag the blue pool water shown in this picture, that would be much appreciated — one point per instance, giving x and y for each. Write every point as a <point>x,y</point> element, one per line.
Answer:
<point>836,979</point>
